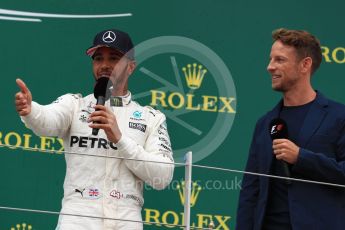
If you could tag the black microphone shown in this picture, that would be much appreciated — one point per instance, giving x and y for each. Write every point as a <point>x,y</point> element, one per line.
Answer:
<point>278,130</point>
<point>102,93</point>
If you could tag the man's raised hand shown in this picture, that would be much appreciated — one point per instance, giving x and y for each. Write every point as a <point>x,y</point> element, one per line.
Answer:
<point>23,99</point>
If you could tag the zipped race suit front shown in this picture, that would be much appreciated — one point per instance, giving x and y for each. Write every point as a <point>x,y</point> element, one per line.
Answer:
<point>105,179</point>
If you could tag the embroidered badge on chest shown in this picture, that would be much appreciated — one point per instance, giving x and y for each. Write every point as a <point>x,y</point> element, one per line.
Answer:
<point>137,116</point>
<point>86,112</point>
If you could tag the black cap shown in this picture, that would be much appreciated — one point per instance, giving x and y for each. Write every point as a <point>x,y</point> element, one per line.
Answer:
<point>115,39</point>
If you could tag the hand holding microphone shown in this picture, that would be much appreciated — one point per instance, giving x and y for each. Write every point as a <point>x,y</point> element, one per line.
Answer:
<point>102,93</point>
<point>284,149</point>
<point>103,118</point>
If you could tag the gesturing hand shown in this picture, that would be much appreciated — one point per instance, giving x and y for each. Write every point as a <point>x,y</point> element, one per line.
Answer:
<point>23,99</point>
<point>106,120</point>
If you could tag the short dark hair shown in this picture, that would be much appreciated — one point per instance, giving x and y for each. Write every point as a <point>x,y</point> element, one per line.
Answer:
<point>306,44</point>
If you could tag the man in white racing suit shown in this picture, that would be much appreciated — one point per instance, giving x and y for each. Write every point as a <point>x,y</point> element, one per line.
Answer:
<point>105,173</point>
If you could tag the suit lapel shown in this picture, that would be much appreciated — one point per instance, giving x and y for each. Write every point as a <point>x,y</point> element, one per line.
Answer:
<point>313,119</point>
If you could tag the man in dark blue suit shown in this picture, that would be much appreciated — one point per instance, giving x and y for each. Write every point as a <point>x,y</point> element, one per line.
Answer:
<point>314,148</point>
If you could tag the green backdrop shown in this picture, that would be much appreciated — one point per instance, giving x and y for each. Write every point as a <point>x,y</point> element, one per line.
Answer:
<point>230,39</point>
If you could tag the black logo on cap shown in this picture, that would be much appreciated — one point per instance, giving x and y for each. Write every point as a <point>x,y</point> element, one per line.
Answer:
<point>109,37</point>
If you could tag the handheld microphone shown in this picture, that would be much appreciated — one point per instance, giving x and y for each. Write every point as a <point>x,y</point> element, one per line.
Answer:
<point>278,130</point>
<point>102,93</point>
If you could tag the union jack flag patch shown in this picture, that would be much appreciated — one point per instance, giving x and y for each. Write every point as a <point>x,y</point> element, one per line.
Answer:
<point>93,192</point>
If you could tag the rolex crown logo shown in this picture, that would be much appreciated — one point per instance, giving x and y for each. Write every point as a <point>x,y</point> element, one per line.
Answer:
<point>194,75</point>
<point>194,193</point>
<point>22,226</point>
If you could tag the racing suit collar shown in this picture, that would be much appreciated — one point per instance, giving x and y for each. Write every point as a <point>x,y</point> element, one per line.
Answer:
<point>119,101</point>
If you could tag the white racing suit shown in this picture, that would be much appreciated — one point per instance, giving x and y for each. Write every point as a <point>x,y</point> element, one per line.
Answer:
<point>96,184</point>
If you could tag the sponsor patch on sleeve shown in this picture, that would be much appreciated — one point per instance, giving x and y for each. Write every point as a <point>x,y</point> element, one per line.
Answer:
<point>164,140</point>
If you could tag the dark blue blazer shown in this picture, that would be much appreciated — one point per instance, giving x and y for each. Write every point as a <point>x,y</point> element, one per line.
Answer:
<point>321,158</point>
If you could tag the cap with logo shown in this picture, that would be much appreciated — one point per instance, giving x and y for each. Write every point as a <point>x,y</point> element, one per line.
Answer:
<point>115,39</point>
